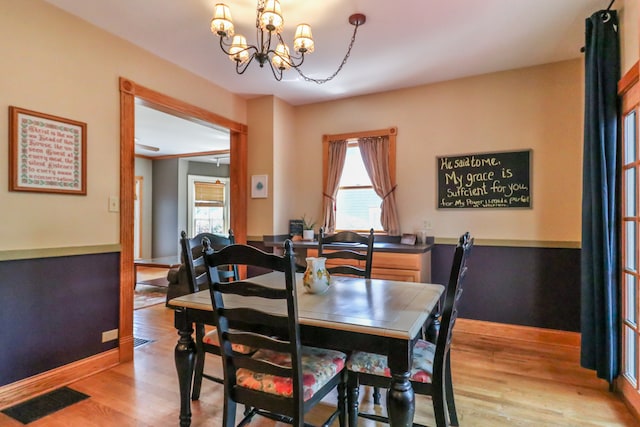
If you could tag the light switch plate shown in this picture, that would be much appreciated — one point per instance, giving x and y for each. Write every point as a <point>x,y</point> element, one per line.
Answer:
<point>114,204</point>
<point>110,335</point>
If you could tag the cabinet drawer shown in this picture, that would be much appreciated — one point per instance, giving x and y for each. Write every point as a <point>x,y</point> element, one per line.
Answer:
<point>400,261</point>
<point>398,275</point>
<point>334,262</point>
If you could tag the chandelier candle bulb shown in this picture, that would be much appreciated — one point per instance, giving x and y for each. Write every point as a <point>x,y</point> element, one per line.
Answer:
<point>222,24</point>
<point>281,60</point>
<point>271,17</point>
<point>238,50</point>
<point>303,40</point>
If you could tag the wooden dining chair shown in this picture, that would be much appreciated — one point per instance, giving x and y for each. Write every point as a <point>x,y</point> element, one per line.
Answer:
<point>431,365</point>
<point>352,258</point>
<point>198,279</point>
<point>354,249</point>
<point>282,380</point>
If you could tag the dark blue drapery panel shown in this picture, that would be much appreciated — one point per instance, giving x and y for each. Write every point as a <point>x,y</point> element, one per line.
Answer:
<point>600,302</point>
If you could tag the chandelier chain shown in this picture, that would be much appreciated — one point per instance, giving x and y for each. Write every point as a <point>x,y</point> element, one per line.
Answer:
<point>342,64</point>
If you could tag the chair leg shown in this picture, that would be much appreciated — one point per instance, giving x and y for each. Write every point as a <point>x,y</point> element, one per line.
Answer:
<point>438,400</point>
<point>376,396</point>
<point>352,398</point>
<point>199,368</point>
<point>229,416</point>
<point>448,386</point>
<point>342,400</point>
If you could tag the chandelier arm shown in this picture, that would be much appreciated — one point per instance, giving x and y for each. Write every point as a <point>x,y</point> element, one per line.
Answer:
<point>224,47</point>
<point>241,67</point>
<point>344,61</point>
<point>276,74</point>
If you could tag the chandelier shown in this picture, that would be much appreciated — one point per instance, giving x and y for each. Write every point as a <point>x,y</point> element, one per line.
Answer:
<point>269,25</point>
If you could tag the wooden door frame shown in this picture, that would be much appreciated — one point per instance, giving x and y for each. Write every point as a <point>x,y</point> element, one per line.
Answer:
<point>140,208</point>
<point>129,92</point>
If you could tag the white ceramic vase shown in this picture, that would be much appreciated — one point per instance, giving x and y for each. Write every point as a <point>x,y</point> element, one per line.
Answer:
<point>307,234</point>
<point>316,276</point>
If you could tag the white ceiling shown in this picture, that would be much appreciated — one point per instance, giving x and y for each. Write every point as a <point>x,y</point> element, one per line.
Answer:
<point>172,135</point>
<point>404,43</point>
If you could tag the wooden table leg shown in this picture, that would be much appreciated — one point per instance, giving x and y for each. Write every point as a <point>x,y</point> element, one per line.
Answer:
<point>185,355</point>
<point>401,400</point>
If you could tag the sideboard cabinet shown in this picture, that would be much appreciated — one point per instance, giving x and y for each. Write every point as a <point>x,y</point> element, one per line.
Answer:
<point>401,266</point>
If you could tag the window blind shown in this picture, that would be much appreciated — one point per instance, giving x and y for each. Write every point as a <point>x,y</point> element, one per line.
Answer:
<point>209,194</point>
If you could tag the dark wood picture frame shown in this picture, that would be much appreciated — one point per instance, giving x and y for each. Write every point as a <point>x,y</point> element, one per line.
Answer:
<point>47,154</point>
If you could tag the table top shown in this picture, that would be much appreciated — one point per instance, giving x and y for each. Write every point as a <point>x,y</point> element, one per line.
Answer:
<point>165,261</point>
<point>373,306</point>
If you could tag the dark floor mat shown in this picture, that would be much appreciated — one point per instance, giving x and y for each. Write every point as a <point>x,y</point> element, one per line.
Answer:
<point>44,405</point>
<point>139,341</point>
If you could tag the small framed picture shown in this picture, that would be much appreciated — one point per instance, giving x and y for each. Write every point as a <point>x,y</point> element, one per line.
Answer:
<point>295,227</point>
<point>408,239</point>
<point>259,186</point>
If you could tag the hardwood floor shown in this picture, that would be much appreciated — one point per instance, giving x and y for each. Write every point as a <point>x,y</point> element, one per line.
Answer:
<point>498,382</point>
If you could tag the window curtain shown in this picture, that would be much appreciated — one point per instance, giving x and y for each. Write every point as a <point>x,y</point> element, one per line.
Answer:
<point>600,302</point>
<point>337,155</point>
<point>375,155</point>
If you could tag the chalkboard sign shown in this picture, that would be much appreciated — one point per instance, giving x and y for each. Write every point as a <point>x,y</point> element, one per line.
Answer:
<point>295,227</point>
<point>487,180</point>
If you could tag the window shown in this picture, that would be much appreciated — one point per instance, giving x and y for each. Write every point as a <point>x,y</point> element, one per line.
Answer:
<point>208,205</point>
<point>628,382</point>
<point>357,204</point>
<point>351,199</point>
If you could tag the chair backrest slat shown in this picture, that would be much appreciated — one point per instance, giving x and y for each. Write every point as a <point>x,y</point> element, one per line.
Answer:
<point>254,316</point>
<point>348,253</point>
<point>256,365</point>
<point>250,289</point>
<point>252,338</point>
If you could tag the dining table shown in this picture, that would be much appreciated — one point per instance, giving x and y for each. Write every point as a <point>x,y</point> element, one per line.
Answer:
<point>374,315</point>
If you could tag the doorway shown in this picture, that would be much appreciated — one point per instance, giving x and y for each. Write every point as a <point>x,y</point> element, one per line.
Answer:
<point>129,93</point>
<point>170,149</point>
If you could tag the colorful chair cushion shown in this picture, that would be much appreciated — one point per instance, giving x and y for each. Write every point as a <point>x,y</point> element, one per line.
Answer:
<point>318,367</point>
<point>212,339</point>
<point>376,364</point>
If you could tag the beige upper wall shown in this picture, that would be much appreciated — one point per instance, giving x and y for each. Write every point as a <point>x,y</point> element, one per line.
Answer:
<point>57,64</point>
<point>284,179</point>
<point>629,47</point>
<point>260,148</point>
<point>538,108</point>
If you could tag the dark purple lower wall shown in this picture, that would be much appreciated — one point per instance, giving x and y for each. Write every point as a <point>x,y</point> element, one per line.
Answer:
<point>54,310</point>
<point>521,286</point>
<point>537,287</point>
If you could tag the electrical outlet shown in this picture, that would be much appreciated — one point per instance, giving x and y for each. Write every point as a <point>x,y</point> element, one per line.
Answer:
<point>427,224</point>
<point>114,204</point>
<point>110,335</point>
